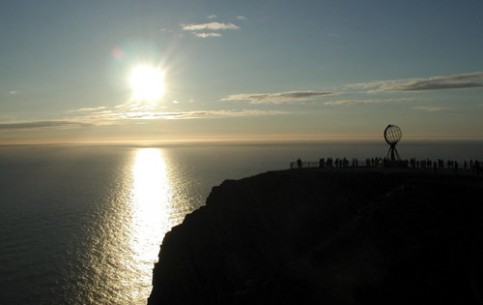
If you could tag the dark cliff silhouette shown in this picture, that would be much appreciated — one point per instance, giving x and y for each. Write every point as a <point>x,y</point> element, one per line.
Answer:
<point>329,237</point>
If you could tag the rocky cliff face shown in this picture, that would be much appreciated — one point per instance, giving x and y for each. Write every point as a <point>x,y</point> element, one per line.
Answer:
<point>329,237</point>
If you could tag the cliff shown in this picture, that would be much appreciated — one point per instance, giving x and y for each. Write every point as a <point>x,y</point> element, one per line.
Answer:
<point>329,237</point>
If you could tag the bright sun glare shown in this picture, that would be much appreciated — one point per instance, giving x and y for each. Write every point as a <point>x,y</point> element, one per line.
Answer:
<point>147,83</point>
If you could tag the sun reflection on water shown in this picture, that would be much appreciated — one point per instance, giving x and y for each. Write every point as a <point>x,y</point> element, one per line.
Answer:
<point>150,203</point>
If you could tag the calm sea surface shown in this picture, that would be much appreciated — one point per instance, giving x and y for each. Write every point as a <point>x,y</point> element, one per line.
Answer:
<point>83,224</point>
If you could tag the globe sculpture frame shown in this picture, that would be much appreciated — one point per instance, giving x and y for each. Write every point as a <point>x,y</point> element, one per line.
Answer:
<point>392,135</point>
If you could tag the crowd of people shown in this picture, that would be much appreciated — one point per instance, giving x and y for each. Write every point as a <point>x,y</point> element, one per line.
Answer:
<point>471,165</point>
<point>474,165</point>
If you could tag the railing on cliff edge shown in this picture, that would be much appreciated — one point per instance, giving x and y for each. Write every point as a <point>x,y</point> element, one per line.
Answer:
<point>474,166</point>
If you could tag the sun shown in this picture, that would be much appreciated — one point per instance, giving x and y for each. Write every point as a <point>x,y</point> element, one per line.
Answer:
<point>147,83</point>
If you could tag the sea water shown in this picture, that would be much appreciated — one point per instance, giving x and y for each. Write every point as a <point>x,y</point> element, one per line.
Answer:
<point>84,224</point>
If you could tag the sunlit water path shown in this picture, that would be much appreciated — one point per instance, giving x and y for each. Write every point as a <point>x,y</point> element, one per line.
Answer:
<point>127,232</point>
<point>84,225</point>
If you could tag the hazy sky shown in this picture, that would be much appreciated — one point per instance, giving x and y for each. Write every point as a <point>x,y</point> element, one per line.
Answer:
<point>246,69</point>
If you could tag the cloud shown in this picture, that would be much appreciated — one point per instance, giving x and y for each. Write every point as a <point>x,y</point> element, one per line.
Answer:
<point>40,124</point>
<point>198,114</point>
<point>212,17</point>
<point>211,26</point>
<point>207,35</point>
<point>348,102</point>
<point>241,17</point>
<point>431,108</point>
<point>123,113</point>
<point>355,102</point>
<point>277,97</point>
<point>146,115</point>
<point>455,81</point>
<point>204,114</point>
<point>458,81</point>
<point>90,109</point>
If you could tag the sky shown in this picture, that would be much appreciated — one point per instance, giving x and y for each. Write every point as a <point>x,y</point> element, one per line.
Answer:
<point>264,70</point>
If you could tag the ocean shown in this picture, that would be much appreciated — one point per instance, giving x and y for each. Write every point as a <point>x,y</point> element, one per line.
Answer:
<point>83,224</point>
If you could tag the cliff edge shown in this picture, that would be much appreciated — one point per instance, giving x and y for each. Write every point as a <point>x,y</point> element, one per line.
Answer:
<point>330,237</point>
